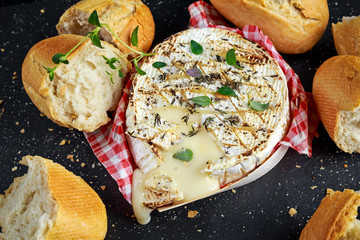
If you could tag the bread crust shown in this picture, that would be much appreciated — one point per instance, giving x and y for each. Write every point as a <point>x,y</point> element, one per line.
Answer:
<point>336,88</point>
<point>80,211</point>
<point>293,32</point>
<point>37,83</point>
<point>35,77</point>
<point>122,17</point>
<point>346,36</point>
<point>332,217</point>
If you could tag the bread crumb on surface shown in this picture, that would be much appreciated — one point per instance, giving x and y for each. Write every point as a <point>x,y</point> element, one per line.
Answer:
<point>329,191</point>
<point>70,156</point>
<point>192,214</point>
<point>1,101</point>
<point>50,129</point>
<point>3,49</point>
<point>199,230</point>
<point>292,212</point>
<point>42,10</point>
<point>345,165</point>
<point>62,142</point>
<point>14,169</point>
<point>233,190</point>
<point>22,130</point>
<point>297,166</point>
<point>82,164</point>
<point>103,187</point>
<point>42,115</point>
<point>313,187</point>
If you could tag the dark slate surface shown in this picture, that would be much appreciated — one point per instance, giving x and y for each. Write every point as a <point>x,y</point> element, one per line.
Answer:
<point>256,211</point>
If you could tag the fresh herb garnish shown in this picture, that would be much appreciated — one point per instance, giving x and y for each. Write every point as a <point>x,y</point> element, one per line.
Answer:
<point>134,37</point>
<point>208,121</point>
<point>184,155</point>
<point>202,100</point>
<point>60,58</point>
<point>159,64</point>
<point>231,58</point>
<point>194,72</point>
<point>191,133</point>
<point>196,48</point>
<point>257,106</point>
<point>226,91</point>
<point>185,119</point>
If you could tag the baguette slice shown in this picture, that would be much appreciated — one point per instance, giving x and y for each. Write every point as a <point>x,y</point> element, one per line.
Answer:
<point>121,15</point>
<point>81,92</point>
<point>293,26</point>
<point>49,202</point>
<point>335,218</point>
<point>336,90</point>
<point>346,36</point>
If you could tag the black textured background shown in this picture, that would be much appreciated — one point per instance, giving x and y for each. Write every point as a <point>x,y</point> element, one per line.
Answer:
<point>256,211</point>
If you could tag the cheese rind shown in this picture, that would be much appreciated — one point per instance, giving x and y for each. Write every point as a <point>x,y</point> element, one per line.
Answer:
<point>228,138</point>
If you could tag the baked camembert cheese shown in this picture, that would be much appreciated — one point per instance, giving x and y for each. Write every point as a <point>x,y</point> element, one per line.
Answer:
<point>205,120</point>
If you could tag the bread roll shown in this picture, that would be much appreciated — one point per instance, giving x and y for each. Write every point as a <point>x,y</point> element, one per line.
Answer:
<point>347,36</point>
<point>335,218</point>
<point>81,92</point>
<point>293,26</point>
<point>336,90</point>
<point>121,15</point>
<point>49,202</point>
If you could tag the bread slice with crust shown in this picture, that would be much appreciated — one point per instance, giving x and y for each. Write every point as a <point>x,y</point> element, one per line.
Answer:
<point>335,218</point>
<point>81,92</point>
<point>123,16</point>
<point>336,90</point>
<point>346,36</point>
<point>50,202</point>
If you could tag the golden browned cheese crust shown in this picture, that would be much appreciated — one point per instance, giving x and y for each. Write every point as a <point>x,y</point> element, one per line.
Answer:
<point>293,26</point>
<point>336,87</point>
<point>332,217</point>
<point>34,76</point>
<point>122,16</point>
<point>80,212</point>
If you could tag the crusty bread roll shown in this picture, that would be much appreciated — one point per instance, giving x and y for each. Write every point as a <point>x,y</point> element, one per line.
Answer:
<point>336,90</point>
<point>81,92</point>
<point>335,218</point>
<point>121,15</point>
<point>347,36</point>
<point>293,26</point>
<point>49,202</point>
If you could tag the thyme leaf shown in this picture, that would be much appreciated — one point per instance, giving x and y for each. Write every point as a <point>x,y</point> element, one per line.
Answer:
<point>134,37</point>
<point>196,48</point>
<point>94,19</point>
<point>257,106</point>
<point>202,100</point>
<point>231,58</point>
<point>184,155</point>
<point>194,72</point>
<point>226,91</point>
<point>159,64</point>
<point>207,122</point>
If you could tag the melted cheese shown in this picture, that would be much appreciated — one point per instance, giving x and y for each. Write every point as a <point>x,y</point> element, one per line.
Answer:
<point>239,138</point>
<point>188,176</point>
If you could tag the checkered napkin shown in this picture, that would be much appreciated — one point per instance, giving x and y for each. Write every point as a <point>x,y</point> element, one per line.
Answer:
<point>109,142</point>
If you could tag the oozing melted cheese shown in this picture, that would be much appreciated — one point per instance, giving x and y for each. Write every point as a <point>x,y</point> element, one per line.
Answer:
<point>187,176</point>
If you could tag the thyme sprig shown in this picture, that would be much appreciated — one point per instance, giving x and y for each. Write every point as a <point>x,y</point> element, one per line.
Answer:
<point>60,58</point>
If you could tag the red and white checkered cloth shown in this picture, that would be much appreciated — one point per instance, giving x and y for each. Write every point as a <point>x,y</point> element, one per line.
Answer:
<point>109,142</point>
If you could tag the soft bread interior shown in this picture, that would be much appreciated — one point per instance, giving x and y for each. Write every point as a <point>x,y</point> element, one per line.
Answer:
<point>348,135</point>
<point>82,92</point>
<point>28,210</point>
<point>352,232</point>
<point>76,22</point>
